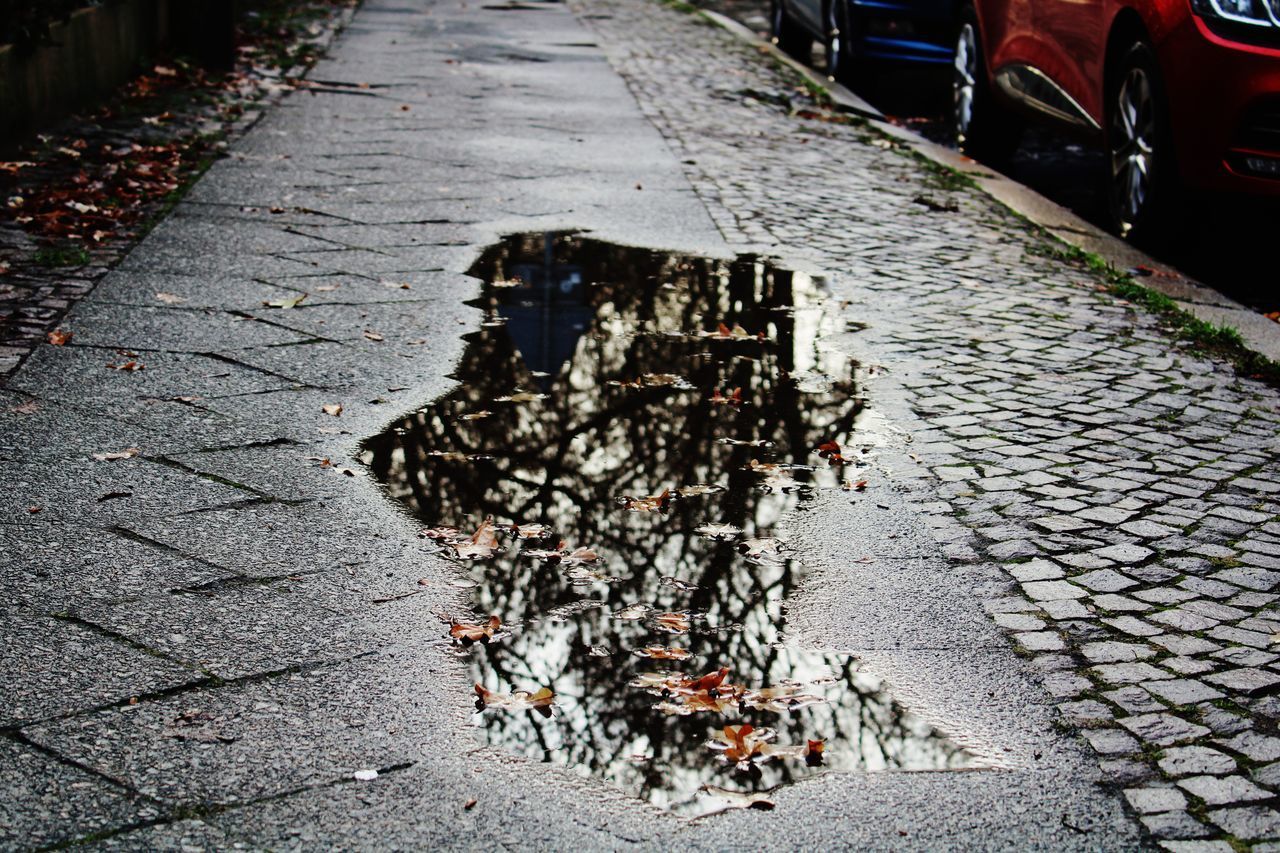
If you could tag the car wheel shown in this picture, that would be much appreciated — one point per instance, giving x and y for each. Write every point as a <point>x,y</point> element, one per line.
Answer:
<point>980,126</point>
<point>1139,146</point>
<point>842,64</point>
<point>787,34</point>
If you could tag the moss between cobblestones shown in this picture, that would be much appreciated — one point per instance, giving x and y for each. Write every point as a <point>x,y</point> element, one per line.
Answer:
<point>61,256</point>
<point>1204,337</point>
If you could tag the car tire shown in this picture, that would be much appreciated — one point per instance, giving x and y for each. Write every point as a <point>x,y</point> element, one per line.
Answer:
<point>787,34</point>
<point>980,125</point>
<point>1140,165</point>
<point>843,65</point>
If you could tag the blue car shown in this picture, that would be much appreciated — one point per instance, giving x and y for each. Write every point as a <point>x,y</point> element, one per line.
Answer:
<point>856,33</point>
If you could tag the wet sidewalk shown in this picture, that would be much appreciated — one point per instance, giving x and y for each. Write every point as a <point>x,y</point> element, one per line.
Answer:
<point>854,512</point>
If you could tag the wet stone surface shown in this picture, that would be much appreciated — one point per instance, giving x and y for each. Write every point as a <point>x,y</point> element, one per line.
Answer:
<point>611,474</point>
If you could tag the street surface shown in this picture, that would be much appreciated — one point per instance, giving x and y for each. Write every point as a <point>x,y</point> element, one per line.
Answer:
<point>1060,556</point>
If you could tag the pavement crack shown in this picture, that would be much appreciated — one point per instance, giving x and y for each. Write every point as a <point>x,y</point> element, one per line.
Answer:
<point>169,462</point>
<point>226,359</point>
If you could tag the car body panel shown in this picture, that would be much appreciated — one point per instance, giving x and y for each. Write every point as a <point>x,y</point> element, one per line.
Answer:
<point>1223,95</point>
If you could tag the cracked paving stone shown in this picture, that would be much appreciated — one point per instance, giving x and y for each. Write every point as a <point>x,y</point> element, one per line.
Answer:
<point>46,802</point>
<point>314,727</point>
<point>235,631</point>
<point>51,668</point>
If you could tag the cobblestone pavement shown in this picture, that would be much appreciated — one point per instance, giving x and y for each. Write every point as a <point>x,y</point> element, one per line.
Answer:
<point>208,636</point>
<point>1130,489</point>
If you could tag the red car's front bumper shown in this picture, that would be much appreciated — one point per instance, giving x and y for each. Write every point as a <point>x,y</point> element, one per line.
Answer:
<point>1224,101</point>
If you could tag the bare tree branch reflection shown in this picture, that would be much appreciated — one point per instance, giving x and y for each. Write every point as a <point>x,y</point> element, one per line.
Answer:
<point>583,322</point>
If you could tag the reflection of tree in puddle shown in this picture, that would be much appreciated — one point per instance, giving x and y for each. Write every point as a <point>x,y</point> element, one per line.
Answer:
<point>609,335</point>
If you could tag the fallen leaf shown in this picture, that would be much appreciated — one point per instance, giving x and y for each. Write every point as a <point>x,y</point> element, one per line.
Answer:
<point>481,545</point>
<point>469,804</point>
<point>859,486</point>
<point>58,337</point>
<point>831,452</point>
<point>734,398</point>
<point>717,531</point>
<point>529,531</point>
<point>653,503</point>
<point>334,409</point>
<point>170,298</point>
<point>672,623</point>
<point>475,416</point>
<point>521,397</point>
<point>467,633</point>
<point>663,653</point>
<point>292,302</point>
<point>540,700</point>
<point>130,366</point>
<point>632,612</point>
<point>28,408</point>
<point>760,549</point>
<point>699,489</point>
<point>373,336</point>
<point>127,453</point>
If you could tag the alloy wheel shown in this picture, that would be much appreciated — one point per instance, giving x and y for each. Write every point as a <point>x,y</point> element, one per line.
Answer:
<point>1133,133</point>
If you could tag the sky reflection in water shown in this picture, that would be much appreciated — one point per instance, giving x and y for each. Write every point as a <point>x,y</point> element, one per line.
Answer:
<point>611,336</point>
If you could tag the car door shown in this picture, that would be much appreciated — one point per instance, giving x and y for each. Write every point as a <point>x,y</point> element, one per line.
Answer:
<point>1073,44</point>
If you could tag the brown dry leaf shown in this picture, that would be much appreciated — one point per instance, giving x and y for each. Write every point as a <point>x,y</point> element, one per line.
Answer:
<point>481,545</point>
<point>292,302</point>
<point>28,408</point>
<point>130,366</point>
<point>850,486</point>
<point>475,416</point>
<point>733,398</point>
<point>663,653</point>
<point>830,451</point>
<point>127,453</point>
<point>741,744</point>
<point>725,333</point>
<point>652,503</point>
<point>672,623</point>
<point>334,409</point>
<point>699,489</point>
<point>540,700</point>
<point>781,699</point>
<point>58,337</point>
<point>760,547</point>
<point>373,336</point>
<point>739,442</point>
<point>717,531</point>
<point>521,397</point>
<point>529,531</point>
<point>442,533</point>
<point>632,612</point>
<point>170,298</point>
<point>468,633</point>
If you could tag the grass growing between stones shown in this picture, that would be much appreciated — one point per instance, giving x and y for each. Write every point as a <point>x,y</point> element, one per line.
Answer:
<point>1201,336</point>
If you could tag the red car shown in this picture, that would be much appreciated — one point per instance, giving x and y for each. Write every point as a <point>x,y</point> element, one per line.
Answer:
<point>1182,93</point>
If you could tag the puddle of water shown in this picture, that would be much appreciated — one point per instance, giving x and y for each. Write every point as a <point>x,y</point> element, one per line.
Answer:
<point>664,412</point>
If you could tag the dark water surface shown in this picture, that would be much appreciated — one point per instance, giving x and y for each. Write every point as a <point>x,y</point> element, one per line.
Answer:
<point>591,387</point>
